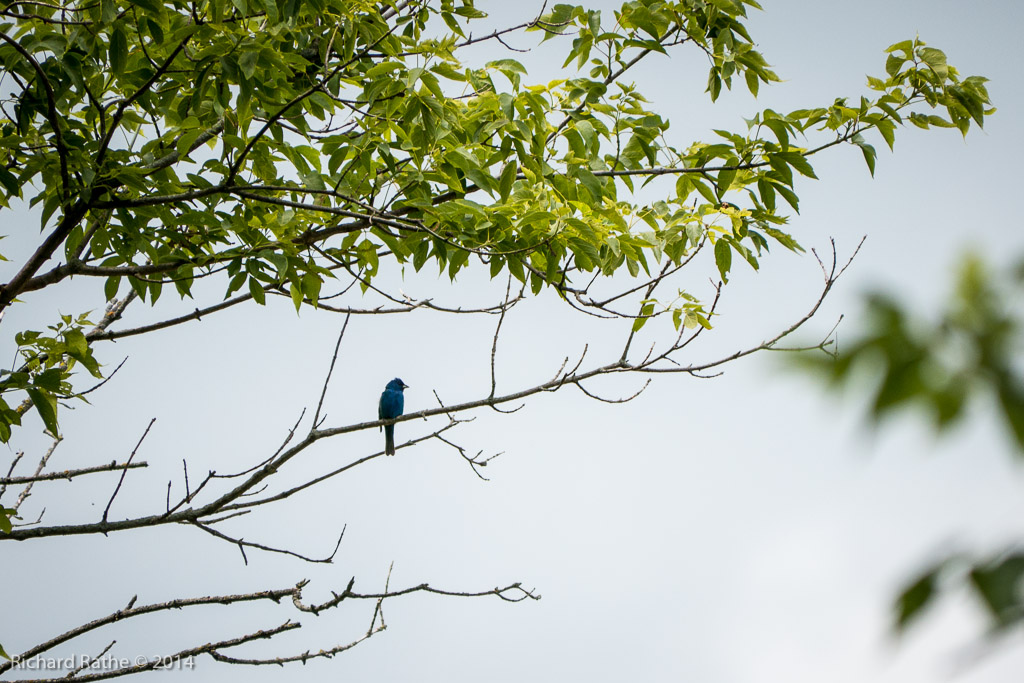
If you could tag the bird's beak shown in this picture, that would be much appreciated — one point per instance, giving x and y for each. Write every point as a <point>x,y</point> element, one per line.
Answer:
<point>404,385</point>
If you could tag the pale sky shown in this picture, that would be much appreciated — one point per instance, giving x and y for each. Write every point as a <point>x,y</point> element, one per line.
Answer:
<point>747,528</point>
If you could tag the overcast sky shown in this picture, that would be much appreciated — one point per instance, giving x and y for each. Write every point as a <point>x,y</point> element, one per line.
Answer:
<point>748,528</point>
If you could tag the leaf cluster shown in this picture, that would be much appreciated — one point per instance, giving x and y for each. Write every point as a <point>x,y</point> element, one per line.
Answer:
<point>997,583</point>
<point>281,144</point>
<point>970,351</point>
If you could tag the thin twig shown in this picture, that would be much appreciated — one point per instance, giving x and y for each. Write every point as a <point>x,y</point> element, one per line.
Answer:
<point>330,370</point>
<point>125,472</point>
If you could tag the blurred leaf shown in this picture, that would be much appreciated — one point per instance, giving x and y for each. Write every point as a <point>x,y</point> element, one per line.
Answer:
<point>1000,586</point>
<point>915,598</point>
<point>1011,400</point>
<point>941,365</point>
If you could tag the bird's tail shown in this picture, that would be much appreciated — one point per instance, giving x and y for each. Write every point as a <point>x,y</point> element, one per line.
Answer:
<point>389,439</point>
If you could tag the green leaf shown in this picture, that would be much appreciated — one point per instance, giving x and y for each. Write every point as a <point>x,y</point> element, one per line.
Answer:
<point>893,64</point>
<point>645,311</point>
<point>789,196</point>
<point>508,177</point>
<point>704,190</point>
<point>311,284</point>
<point>936,60</point>
<point>887,130</point>
<point>48,379</point>
<point>108,10</point>
<point>91,365</point>
<point>510,68</point>
<point>111,286</point>
<point>725,176</point>
<point>497,263</point>
<point>151,6</point>
<point>753,82</point>
<point>783,238</point>
<point>723,258</point>
<point>118,50</point>
<point>236,283</point>
<point>781,131</point>
<point>694,232</point>
<point>3,653</point>
<point>467,10</point>
<point>592,185</point>
<point>767,192</point>
<point>5,527</point>
<point>797,161</point>
<point>515,266</point>
<point>868,150</point>
<point>536,283</point>
<point>419,256</point>
<point>155,29</point>
<point>9,182</point>
<point>46,406</point>
<point>972,103</point>
<point>383,68</point>
<point>904,46</point>
<point>77,346</point>
<point>247,63</point>
<point>259,295</point>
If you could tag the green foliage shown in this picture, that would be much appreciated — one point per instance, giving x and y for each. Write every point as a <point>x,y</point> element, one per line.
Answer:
<point>997,583</point>
<point>48,360</point>
<point>912,601</point>
<point>275,144</point>
<point>970,350</point>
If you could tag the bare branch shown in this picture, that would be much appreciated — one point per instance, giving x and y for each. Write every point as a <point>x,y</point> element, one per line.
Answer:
<point>233,500</point>
<point>243,544</point>
<point>130,611</point>
<point>14,463</point>
<point>104,380</point>
<point>324,477</point>
<point>474,462</point>
<point>330,370</point>
<point>513,592</point>
<point>612,400</point>
<point>303,658</point>
<point>42,463</point>
<point>497,331</point>
<point>70,474</point>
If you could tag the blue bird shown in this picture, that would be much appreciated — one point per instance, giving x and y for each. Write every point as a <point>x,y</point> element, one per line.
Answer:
<point>392,403</point>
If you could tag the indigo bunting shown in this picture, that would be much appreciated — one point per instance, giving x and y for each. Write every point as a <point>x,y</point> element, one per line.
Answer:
<point>392,403</point>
